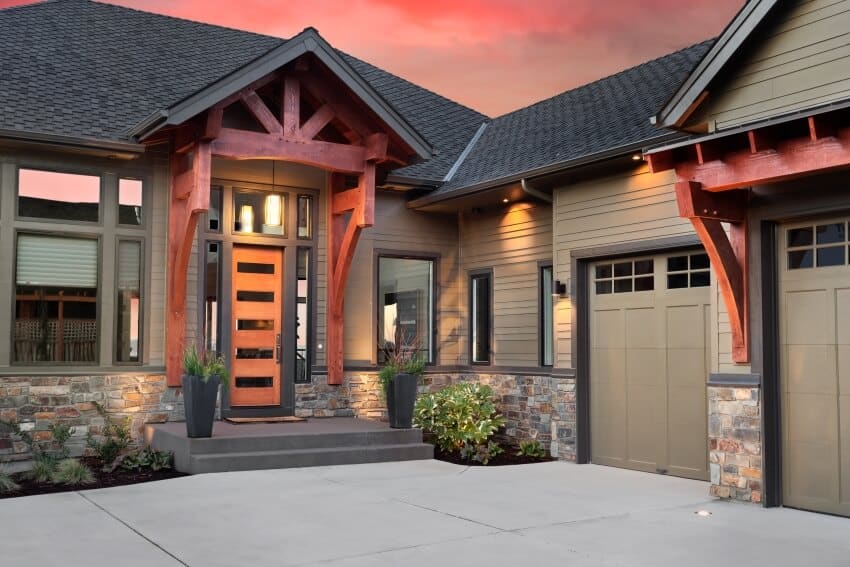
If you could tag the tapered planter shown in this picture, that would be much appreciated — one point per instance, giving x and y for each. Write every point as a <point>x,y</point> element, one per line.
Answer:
<point>199,398</point>
<point>401,398</point>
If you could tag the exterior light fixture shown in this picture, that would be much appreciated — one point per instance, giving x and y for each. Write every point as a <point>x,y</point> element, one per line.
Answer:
<point>273,214</point>
<point>637,157</point>
<point>246,218</point>
<point>506,200</point>
<point>559,289</point>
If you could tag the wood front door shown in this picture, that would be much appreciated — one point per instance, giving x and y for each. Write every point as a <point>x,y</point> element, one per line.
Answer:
<point>256,326</point>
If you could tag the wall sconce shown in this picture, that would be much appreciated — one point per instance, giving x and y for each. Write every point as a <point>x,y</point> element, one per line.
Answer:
<point>273,214</point>
<point>246,218</point>
<point>559,289</point>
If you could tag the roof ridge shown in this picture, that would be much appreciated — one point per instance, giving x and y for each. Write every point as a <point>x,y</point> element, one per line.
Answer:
<point>606,78</point>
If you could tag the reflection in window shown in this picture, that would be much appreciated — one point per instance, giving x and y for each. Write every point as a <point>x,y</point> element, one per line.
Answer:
<point>214,213</point>
<point>58,196</point>
<point>305,216</point>
<point>56,290</point>
<point>821,245</point>
<point>405,306</point>
<point>212,279</point>
<point>130,202</point>
<point>479,315</point>
<point>258,212</point>
<point>547,312</point>
<point>127,307</point>
<point>302,322</point>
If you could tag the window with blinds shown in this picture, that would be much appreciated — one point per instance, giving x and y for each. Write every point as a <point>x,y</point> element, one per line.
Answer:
<point>56,292</point>
<point>128,302</point>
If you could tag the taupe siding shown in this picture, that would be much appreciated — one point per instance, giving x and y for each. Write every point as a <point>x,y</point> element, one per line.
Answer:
<point>629,207</point>
<point>802,61</point>
<point>511,241</point>
<point>400,230</point>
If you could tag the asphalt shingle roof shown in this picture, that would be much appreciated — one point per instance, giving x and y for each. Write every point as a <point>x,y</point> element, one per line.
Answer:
<point>603,115</point>
<point>85,69</point>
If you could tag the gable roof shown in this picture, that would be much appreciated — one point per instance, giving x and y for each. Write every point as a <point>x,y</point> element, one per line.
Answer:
<point>585,123</point>
<point>91,71</point>
<point>677,109</point>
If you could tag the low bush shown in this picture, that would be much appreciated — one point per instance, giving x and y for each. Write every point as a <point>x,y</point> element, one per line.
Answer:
<point>531,448</point>
<point>146,458</point>
<point>459,415</point>
<point>482,452</point>
<point>7,483</point>
<point>72,472</point>
<point>42,469</point>
<point>114,440</point>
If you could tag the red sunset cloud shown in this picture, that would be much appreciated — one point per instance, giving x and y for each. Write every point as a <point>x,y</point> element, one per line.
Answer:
<point>492,55</point>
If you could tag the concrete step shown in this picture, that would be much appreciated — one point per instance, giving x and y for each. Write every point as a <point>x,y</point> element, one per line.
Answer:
<point>317,457</point>
<point>215,445</point>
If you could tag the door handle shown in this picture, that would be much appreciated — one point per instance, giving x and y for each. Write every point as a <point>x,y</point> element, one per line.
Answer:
<point>277,347</point>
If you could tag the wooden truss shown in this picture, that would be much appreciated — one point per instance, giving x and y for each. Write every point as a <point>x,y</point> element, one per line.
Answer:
<point>352,147</point>
<point>714,175</point>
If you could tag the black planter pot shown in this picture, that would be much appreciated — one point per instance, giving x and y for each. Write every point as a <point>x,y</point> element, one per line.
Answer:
<point>199,398</point>
<point>401,398</point>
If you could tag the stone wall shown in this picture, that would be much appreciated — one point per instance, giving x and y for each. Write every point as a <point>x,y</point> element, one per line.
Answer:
<point>735,443</point>
<point>535,407</point>
<point>33,403</point>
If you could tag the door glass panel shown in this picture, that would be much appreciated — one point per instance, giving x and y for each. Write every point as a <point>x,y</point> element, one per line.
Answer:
<point>677,281</point>
<point>211,291</point>
<point>305,216</point>
<point>700,279</point>
<point>800,259</point>
<point>259,296</point>
<point>604,271</point>
<point>643,267</point>
<point>254,382</point>
<point>677,263</point>
<point>800,237</point>
<point>700,262</point>
<point>644,284</point>
<point>622,269</point>
<point>214,214</point>
<point>622,286</point>
<point>255,325</point>
<point>302,313</point>
<point>259,353</point>
<point>254,268</point>
<point>830,233</point>
<point>603,287</point>
<point>831,256</point>
<point>128,304</point>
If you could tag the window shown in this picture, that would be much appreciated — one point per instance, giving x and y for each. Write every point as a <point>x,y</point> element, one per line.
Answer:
<point>547,314</point>
<point>688,270</point>
<point>302,321</point>
<point>405,306</point>
<point>625,277</point>
<point>212,288</point>
<point>480,317</point>
<point>56,292</point>
<point>58,196</point>
<point>305,217</point>
<point>214,214</point>
<point>259,212</point>
<point>128,304</point>
<point>817,246</point>
<point>130,202</point>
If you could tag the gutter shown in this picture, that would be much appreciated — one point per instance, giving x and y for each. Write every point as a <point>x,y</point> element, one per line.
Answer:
<point>539,171</point>
<point>528,190</point>
<point>127,149</point>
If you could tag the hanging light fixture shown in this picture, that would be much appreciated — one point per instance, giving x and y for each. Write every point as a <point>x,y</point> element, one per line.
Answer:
<point>246,218</point>
<point>274,209</point>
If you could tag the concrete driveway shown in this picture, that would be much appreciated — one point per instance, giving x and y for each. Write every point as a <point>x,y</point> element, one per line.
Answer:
<point>413,513</point>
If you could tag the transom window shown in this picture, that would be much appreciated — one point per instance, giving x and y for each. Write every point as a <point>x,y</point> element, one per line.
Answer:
<point>625,277</point>
<point>817,246</point>
<point>688,270</point>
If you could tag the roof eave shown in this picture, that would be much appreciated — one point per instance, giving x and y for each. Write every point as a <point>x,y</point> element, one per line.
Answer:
<point>307,41</point>
<point>683,101</point>
<point>116,148</point>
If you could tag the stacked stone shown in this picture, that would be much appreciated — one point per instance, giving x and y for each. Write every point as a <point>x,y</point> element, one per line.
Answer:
<point>735,444</point>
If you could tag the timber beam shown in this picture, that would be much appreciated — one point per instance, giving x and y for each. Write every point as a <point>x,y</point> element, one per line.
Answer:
<point>727,252</point>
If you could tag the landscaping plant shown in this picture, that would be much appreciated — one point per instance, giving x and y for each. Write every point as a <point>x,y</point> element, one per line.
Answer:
<point>531,448</point>
<point>146,458</point>
<point>72,472</point>
<point>205,365</point>
<point>482,452</point>
<point>7,483</point>
<point>114,440</point>
<point>459,416</point>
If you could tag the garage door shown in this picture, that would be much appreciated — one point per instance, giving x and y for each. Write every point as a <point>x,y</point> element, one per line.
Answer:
<point>649,363</point>
<point>814,319</point>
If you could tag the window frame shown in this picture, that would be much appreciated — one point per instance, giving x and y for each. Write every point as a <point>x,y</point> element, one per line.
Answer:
<point>472,275</point>
<point>147,204</point>
<point>142,300</point>
<point>434,258</point>
<point>541,328</point>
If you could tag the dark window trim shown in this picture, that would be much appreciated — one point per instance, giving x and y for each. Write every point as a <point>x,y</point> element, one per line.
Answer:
<point>435,259</point>
<point>311,311</point>
<point>473,274</point>
<point>83,170</point>
<point>771,381</point>
<point>541,299</point>
<point>142,301</point>
<point>20,367</point>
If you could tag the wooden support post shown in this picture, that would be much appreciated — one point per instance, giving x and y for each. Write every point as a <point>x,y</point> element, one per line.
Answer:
<point>190,197</point>
<point>728,253</point>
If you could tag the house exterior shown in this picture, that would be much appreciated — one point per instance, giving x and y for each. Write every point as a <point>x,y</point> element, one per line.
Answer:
<point>651,269</point>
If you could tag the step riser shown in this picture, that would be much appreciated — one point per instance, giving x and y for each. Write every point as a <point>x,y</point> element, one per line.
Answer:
<point>337,456</point>
<point>296,442</point>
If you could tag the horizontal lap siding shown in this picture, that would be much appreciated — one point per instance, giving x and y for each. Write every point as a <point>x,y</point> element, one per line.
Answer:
<point>511,242</point>
<point>399,230</point>
<point>802,61</point>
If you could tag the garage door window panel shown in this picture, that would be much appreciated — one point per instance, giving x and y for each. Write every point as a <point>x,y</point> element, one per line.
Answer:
<point>688,270</point>
<point>624,277</point>
<point>817,246</point>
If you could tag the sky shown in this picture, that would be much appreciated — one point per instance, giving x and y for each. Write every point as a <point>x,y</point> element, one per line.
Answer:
<point>492,55</point>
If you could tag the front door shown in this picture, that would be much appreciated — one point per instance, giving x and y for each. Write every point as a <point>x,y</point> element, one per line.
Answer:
<point>256,326</point>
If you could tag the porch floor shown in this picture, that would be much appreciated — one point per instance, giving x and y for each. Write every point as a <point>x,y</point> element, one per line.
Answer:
<point>315,442</point>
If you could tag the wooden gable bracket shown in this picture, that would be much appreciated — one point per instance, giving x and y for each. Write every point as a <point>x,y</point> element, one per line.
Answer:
<point>728,253</point>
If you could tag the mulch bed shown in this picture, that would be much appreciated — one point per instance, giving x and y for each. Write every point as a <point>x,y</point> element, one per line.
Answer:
<point>103,479</point>
<point>509,457</point>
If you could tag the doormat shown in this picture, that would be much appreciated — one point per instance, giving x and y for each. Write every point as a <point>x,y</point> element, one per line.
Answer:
<point>285,419</point>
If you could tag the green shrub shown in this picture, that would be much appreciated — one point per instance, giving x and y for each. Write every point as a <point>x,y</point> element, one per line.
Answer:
<point>72,472</point>
<point>531,448</point>
<point>458,415</point>
<point>115,439</point>
<point>43,468</point>
<point>204,365</point>
<point>146,458</point>
<point>482,452</point>
<point>7,483</point>
<point>60,433</point>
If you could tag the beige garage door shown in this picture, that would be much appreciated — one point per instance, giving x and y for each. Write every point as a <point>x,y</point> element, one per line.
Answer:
<point>814,319</point>
<point>649,363</point>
